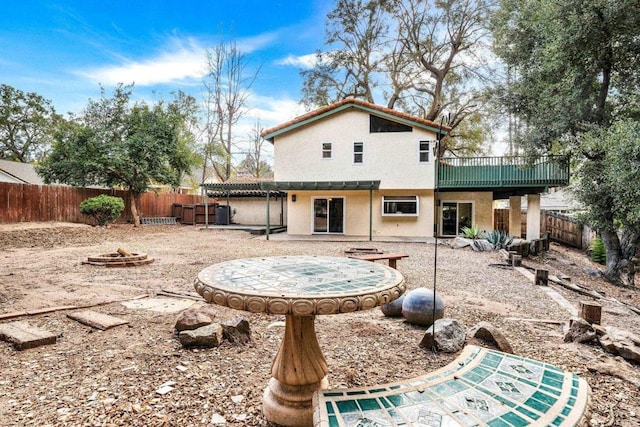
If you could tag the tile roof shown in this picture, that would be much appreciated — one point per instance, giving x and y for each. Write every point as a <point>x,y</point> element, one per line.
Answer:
<point>270,133</point>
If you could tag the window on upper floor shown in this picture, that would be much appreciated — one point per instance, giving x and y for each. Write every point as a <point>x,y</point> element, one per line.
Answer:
<point>326,150</point>
<point>358,152</point>
<point>424,151</point>
<point>378,124</point>
<point>400,205</point>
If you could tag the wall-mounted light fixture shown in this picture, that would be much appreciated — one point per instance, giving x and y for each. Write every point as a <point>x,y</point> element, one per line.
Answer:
<point>293,197</point>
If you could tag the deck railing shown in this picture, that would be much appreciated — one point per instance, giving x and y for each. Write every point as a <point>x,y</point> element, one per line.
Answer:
<point>503,172</point>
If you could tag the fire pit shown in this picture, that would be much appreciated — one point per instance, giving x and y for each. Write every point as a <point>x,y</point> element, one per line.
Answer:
<point>120,258</point>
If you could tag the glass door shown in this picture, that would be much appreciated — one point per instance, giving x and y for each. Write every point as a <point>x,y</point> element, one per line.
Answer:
<point>328,215</point>
<point>454,216</point>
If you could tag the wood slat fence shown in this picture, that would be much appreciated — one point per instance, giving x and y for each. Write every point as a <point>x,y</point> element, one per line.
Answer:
<point>561,228</point>
<point>30,203</point>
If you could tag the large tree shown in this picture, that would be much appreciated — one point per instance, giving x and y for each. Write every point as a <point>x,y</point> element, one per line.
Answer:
<point>26,124</point>
<point>227,87</point>
<point>574,73</point>
<point>422,57</point>
<point>116,144</point>
<point>602,184</point>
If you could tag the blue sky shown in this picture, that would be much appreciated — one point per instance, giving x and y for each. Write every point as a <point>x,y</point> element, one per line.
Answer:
<point>64,50</point>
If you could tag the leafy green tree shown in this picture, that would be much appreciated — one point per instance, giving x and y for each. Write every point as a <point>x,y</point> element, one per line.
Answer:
<point>571,62</point>
<point>116,144</point>
<point>420,57</point>
<point>26,124</point>
<point>603,180</point>
<point>574,81</point>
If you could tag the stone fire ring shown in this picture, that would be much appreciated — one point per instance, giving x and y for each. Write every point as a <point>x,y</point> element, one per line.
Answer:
<point>117,260</point>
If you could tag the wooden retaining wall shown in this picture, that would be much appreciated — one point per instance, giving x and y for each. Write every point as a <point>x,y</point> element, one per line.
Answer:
<point>32,203</point>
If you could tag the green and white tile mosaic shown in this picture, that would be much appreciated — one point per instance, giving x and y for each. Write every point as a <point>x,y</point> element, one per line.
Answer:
<point>482,387</point>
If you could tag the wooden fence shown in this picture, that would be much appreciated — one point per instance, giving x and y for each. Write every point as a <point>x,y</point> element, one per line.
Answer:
<point>561,228</point>
<point>29,203</point>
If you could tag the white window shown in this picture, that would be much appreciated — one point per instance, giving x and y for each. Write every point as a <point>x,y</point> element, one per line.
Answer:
<point>326,150</point>
<point>400,205</point>
<point>425,151</point>
<point>358,152</point>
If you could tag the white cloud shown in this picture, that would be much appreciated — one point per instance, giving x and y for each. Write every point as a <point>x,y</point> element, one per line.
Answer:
<point>303,61</point>
<point>181,61</point>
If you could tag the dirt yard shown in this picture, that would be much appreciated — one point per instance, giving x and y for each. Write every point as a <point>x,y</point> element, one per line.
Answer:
<point>109,378</point>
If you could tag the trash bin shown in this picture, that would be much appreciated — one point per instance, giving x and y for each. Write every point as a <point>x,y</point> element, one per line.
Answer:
<point>223,215</point>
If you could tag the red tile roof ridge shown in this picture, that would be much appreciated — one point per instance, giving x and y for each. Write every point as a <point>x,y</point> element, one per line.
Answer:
<point>357,102</point>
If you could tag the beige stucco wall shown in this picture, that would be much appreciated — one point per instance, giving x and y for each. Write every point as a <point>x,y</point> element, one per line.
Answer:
<point>482,206</point>
<point>253,211</point>
<point>392,158</point>
<point>356,205</point>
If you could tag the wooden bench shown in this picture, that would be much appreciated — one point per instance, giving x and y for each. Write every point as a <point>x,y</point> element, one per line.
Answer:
<point>482,387</point>
<point>375,257</point>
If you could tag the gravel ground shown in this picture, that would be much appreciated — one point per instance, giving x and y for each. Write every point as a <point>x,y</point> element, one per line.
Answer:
<point>107,378</point>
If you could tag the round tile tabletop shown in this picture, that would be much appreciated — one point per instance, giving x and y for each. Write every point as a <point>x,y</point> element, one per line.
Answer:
<point>299,285</point>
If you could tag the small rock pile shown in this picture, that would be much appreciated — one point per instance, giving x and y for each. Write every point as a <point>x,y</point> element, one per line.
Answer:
<point>613,340</point>
<point>196,328</point>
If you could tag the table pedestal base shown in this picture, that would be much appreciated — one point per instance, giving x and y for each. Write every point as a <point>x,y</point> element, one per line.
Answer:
<point>290,405</point>
<point>298,370</point>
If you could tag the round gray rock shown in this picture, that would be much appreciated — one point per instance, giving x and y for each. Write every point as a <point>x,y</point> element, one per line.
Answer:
<point>418,307</point>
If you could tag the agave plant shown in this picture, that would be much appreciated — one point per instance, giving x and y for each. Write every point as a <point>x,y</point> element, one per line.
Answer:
<point>499,239</point>
<point>472,232</point>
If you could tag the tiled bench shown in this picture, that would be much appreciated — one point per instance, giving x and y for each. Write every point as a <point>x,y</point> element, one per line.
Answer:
<point>481,387</point>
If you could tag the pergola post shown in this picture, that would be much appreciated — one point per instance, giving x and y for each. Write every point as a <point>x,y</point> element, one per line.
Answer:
<point>533,216</point>
<point>515,216</point>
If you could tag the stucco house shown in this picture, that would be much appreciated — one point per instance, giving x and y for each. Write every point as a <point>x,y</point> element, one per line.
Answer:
<point>358,169</point>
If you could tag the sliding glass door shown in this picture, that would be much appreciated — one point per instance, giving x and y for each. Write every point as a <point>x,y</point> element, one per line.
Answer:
<point>454,216</point>
<point>328,215</point>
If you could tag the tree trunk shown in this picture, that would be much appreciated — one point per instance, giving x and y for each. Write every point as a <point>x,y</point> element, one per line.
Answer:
<point>134,209</point>
<point>620,267</point>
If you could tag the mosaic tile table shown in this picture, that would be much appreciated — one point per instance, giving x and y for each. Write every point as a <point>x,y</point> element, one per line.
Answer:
<point>481,387</point>
<point>299,287</point>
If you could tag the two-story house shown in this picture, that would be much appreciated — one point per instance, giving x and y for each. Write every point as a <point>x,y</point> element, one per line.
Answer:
<point>359,169</point>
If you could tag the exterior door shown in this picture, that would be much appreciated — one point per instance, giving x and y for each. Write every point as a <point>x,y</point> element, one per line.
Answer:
<point>455,215</point>
<point>328,215</point>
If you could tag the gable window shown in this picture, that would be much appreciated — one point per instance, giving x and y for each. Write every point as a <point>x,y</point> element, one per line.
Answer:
<point>400,205</point>
<point>425,151</point>
<point>358,152</point>
<point>326,150</point>
<point>378,124</point>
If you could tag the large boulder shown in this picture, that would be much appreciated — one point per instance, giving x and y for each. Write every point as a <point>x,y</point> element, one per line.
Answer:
<point>206,336</point>
<point>193,319</point>
<point>447,335</point>
<point>418,307</point>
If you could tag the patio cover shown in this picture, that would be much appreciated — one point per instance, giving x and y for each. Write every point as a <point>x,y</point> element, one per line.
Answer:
<point>278,188</point>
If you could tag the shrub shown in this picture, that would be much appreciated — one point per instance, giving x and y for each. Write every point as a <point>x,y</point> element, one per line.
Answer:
<point>598,251</point>
<point>103,209</point>
<point>472,232</point>
<point>499,239</point>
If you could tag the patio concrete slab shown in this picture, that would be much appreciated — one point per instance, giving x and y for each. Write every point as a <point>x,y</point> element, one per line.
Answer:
<point>161,305</point>
<point>23,335</point>
<point>96,320</point>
